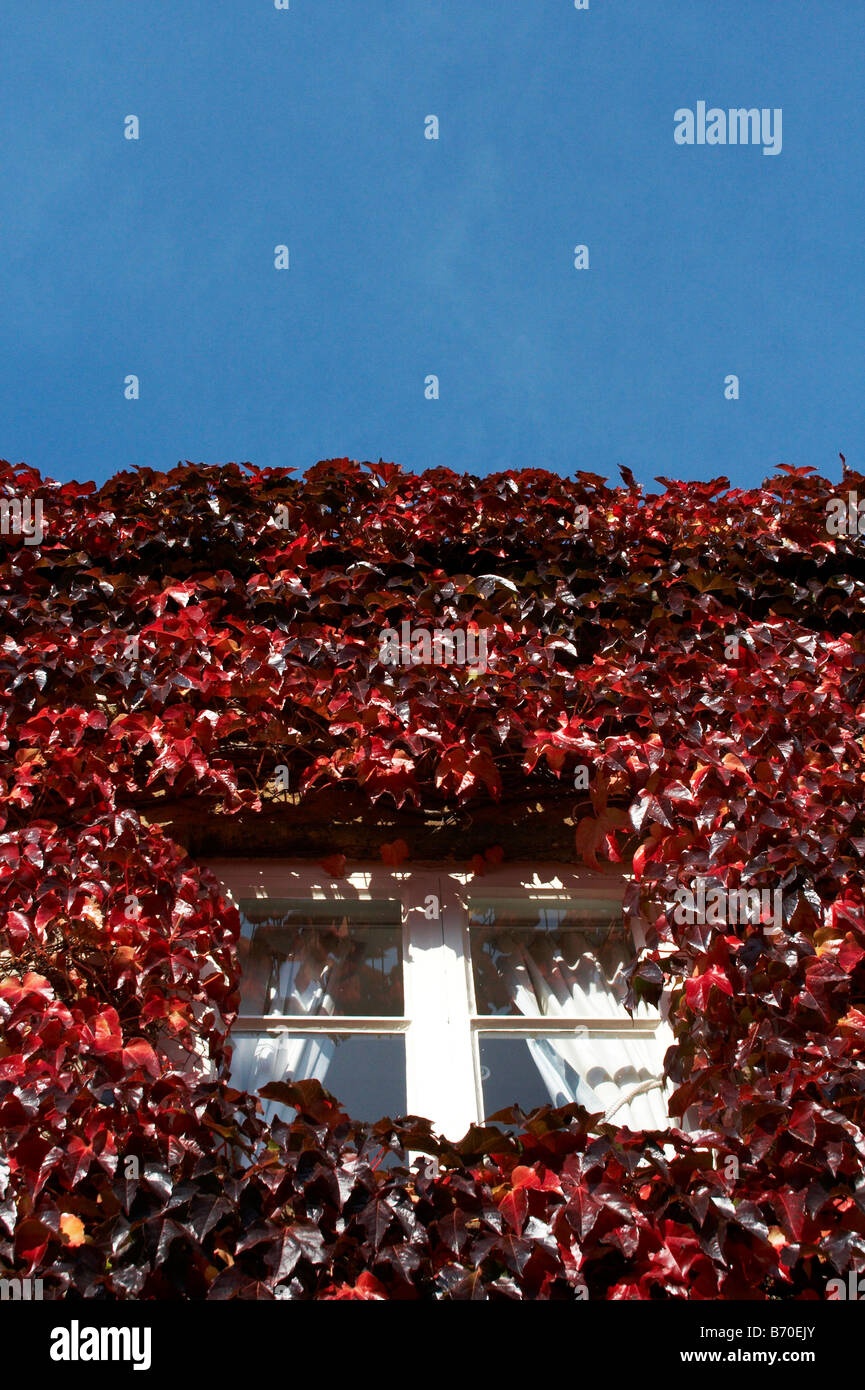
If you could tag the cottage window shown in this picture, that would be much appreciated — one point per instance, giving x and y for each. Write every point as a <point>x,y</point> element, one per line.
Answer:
<point>439,994</point>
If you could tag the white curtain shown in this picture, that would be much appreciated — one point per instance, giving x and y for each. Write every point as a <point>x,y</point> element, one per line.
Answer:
<point>298,984</point>
<point>616,1075</point>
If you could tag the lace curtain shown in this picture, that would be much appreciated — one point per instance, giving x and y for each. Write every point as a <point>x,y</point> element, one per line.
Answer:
<point>302,969</point>
<point>544,978</point>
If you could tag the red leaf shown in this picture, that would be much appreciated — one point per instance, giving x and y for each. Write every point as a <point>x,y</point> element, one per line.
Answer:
<point>699,987</point>
<point>394,854</point>
<point>140,1054</point>
<point>31,1241</point>
<point>107,1037</point>
<point>334,865</point>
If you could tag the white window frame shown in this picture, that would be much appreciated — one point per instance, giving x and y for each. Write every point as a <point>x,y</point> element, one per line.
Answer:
<point>440,1027</point>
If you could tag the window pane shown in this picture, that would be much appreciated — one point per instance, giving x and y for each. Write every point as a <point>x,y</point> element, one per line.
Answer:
<point>509,1076</point>
<point>612,1076</point>
<point>550,959</point>
<point>321,958</point>
<point>365,1071</point>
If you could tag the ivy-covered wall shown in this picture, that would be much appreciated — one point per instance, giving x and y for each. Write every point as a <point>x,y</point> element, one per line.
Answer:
<point>672,684</point>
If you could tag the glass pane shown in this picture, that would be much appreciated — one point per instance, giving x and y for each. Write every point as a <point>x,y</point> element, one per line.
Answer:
<point>551,959</point>
<point>365,1071</point>
<point>509,1076</point>
<point>321,958</point>
<point>608,1075</point>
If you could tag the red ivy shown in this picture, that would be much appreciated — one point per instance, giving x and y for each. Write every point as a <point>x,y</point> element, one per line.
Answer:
<point>129,1168</point>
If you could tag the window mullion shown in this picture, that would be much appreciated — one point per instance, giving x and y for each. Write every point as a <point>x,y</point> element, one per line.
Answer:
<point>462,1090</point>
<point>438,1036</point>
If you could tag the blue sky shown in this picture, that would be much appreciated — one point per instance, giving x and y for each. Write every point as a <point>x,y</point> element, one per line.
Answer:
<point>412,257</point>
